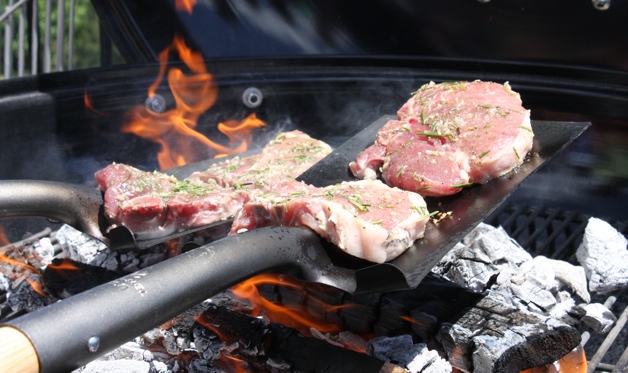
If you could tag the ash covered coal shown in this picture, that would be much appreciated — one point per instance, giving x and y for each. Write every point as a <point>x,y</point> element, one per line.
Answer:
<point>604,256</point>
<point>531,310</point>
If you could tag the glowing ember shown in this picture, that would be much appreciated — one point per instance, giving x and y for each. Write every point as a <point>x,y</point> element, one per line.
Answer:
<point>573,362</point>
<point>13,265</point>
<point>63,265</point>
<point>294,316</point>
<point>4,240</point>
<point>184,5</point>
<point>174,129</point>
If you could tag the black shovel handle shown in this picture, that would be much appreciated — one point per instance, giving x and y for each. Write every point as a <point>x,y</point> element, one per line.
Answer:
<point>70,333</point>
<point>75,205</point>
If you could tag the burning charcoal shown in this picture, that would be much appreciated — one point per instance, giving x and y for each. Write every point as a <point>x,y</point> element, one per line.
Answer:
<point>65,277</point>
<point>458,344</point>
<point>533,291</point>
<point>598,317</point>
<point>22,296</point>
<point>505,339</point>
<point>402,351</point>
<point>481,256</point>
<point>485,238</point>
<point>559,274</point>
<point>85,249</point>
<point>117,366</point>
<point>604,256</point>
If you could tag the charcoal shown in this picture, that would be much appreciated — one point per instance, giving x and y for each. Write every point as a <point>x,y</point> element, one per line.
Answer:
<point>559,275</point>
<point>485,238</point>
<point>496,337</point>
<point>598,317</point>
<point>117,366</point>
<point>603,255</point>
<point>22,297</point>
<point>458,344</point>
<point>402,351</point>
<point>64,283</point>
<point>85,249</point>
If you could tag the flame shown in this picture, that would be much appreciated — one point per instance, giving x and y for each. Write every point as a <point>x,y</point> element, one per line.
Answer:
<point>64,265</point>
<point>17,264</point>
<point>4,240</point>
<point>184,5</point>
<point>292,316</point>
<point>193,94</point>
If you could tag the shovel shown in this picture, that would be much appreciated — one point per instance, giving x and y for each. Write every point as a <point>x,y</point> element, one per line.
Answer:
<point>70,333</point>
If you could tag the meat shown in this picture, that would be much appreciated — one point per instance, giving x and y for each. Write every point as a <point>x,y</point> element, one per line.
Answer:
<point>364,218</point>
<point>153,204</point>
<point>284,158</point>
<point>448,136</point>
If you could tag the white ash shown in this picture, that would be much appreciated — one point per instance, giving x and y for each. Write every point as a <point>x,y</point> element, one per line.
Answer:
<point>531,284</point>
<point>85,249</point>
<point>401,350</point>
<point>604,256</point>
<point>117,366</point>
<point>598,317</point>
<point>88,250</point>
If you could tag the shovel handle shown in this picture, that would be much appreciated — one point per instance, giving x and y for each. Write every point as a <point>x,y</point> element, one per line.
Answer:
<point>17,354</point>
<point>75,205</point>
<point>77,330</point>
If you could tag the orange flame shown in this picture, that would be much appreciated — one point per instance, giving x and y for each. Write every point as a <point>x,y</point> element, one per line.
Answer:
<point>292,316</point>
<point>17,264</point>
<point>573,362</point>
<point>4,240</point>
<point>184,5</point>
<point>194,95</point>
<point>64,265</point>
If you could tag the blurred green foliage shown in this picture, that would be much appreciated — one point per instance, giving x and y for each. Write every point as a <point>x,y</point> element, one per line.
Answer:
<point>86,48</point>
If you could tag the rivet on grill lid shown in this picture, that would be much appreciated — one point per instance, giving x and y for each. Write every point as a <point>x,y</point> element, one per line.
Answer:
<point>252,97</point>
<point>93,343</point>
<point>601,4</point>
<point>156,103</point>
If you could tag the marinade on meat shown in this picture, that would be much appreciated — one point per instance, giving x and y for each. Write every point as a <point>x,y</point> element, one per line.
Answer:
<point>286,157</point>
<point>448,136</point>
<point>364,218</point>
<point>153,204</point>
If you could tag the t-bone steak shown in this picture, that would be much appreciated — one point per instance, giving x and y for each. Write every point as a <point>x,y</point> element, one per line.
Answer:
<point>448,136</point>
<point>364,218</point>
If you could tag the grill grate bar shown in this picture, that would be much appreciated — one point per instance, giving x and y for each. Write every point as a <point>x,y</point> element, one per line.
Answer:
<point>622,363</point>
<point>608,342</point>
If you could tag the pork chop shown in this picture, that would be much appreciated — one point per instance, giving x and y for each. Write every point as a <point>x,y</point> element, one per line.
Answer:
<point>364,218</point>
<point>153,204</point>
<point>448,136</point>
<point>287,156</point>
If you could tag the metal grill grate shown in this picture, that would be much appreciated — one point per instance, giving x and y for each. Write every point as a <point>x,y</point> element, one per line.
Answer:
<point>556,234</point>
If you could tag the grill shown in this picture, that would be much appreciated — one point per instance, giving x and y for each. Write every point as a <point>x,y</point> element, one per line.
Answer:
<point>333,74</point>
<point>557,233</point>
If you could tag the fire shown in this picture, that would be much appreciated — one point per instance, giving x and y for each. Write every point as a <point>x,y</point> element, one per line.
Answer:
<point>184,5</point>
<point>573,362</point>
<point>173,129</point>
<point>4,240</point>
<point>15,264</point>
<point>291,316</point>
<point>63,265</point>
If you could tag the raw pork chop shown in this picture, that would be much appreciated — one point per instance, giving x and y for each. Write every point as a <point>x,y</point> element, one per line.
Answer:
<point>153,204</point>
<point>286,157</point>
<point>365,218</point>
<point>448,136</point>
